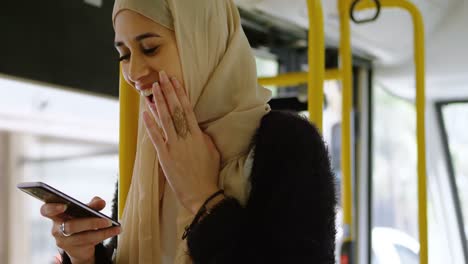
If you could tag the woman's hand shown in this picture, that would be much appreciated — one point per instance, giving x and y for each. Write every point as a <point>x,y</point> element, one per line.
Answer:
<point>85,232</point>
<point>188,157</point>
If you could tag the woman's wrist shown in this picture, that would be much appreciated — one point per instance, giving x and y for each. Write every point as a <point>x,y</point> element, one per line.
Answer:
<point>198,204</point>
<point>205,209</point>
<point>213,202</point>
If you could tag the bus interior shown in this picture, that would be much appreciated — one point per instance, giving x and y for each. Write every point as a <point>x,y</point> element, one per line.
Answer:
<point>386,81</point>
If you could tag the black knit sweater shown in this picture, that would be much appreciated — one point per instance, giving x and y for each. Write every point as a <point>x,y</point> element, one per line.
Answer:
<point>290,213</point>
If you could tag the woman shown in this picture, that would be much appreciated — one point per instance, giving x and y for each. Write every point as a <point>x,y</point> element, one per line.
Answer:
<point>206,127</point>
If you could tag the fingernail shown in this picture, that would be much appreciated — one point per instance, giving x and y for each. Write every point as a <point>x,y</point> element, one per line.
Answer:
<point>163,77</point>
<point>175,81</point>
<point>61,208</point>
<point>109,222</point>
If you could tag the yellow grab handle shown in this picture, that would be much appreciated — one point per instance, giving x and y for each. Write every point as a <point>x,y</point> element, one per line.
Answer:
<point>420,113</point>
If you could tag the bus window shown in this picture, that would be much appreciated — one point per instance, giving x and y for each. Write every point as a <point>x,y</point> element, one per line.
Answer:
<point>395,234</point>
<point>64,138</point>
<point>267,66</point>
<point>394,195</point>
<point>455,116</point>
<point>81,169</point>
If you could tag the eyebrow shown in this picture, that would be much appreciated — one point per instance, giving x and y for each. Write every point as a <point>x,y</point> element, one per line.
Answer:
<point>139,38</point>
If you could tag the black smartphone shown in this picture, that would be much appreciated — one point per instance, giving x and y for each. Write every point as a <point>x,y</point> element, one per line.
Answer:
<point>49,194</point>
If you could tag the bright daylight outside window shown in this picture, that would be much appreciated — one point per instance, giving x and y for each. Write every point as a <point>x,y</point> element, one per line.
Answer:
<point>455,117</point>
<point>394,201</point>
<point>267,66</point>
<point>66,139</point>
<point>80,169</point>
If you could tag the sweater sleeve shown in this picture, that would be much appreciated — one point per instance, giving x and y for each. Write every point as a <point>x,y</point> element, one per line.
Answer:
<point>290,214</point>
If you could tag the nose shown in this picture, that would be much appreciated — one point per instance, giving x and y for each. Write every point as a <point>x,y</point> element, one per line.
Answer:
<point>137,69</point>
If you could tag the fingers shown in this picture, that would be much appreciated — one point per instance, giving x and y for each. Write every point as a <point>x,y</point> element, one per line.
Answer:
<point>91,237</point>
<point>78,225</point>
<point>94,237</point>
<point>162,108</point>
<point>154,111</point>
<point>85,233</point>
<point>53,210</point>
<point>154,133</point>
<point>169,94</point>
<point>186,106</point>
<point>178,115</point>
<point>171,111</point>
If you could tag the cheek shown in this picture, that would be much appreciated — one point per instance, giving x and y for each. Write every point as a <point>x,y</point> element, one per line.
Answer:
<point>177,67</point>
<point>166,58</point>
<point>170,63</point>
<point>127,80</point>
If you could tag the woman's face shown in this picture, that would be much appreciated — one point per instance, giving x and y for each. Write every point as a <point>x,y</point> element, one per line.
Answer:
<point>145,48</point>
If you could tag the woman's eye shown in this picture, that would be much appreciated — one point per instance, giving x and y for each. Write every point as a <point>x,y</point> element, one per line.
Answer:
<point>150,51</point>
<point>146,51</point>
<point>124,57</point>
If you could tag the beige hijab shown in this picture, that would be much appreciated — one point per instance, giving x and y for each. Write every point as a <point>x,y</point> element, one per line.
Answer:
<point>220,77</point>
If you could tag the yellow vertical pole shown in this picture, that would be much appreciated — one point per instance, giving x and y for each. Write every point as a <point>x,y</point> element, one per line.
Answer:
<point>347,79</point>
<point>419,53</point>
<point>421,132</point>
<point>129,105</point>
<point>316,61</point>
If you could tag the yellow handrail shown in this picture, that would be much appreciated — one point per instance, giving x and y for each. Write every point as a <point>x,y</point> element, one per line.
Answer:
<point>296,78</point>
<point>346,110</point>
<point>129,104</point>
<point>420,113</point>
<point>316,61</point>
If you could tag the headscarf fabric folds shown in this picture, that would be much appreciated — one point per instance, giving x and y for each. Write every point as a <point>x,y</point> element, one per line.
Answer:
<point>220,79</point>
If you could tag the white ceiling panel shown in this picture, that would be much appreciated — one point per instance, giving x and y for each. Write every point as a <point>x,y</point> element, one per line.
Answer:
<point>446,61</point>
<point>389,39</point>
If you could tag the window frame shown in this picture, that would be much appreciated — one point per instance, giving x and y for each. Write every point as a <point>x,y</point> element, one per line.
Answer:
<point>439,105</point>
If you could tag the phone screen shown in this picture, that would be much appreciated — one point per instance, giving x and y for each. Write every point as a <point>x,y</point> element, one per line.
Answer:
<point>48,194</point>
